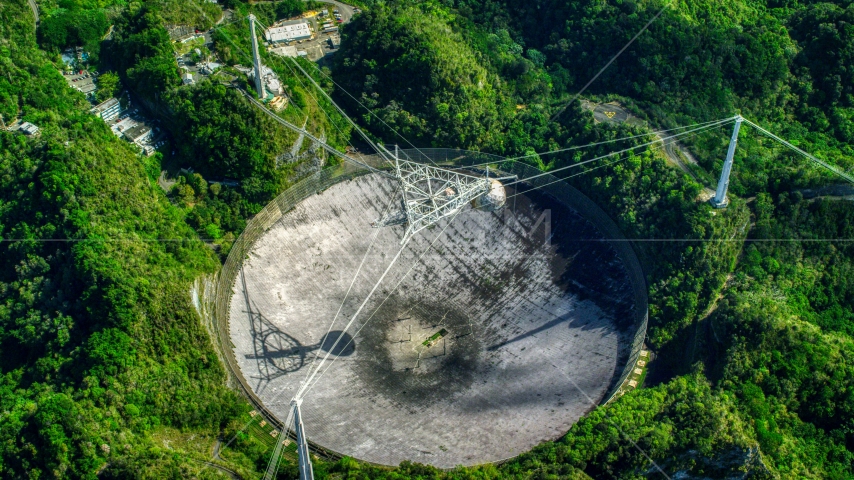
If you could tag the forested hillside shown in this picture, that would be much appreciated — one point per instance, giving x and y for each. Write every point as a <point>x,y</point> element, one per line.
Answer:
<point>106,370</point>
<point>100,347</point>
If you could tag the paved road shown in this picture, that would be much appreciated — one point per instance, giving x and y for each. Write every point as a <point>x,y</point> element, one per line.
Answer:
<point>610,113</point>
<point>35,9</point>
<point>345,10</point>
<point>229,472</point>
<point>843,190</point>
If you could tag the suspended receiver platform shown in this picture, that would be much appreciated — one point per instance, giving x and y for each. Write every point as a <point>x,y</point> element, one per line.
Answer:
<point>432,193</point>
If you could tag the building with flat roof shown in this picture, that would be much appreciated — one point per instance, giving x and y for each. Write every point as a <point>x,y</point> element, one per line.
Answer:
<point>28,128</point>
<point>138,133</point>
<point>188,79</point>
<point>108,109</point>
<point>288,32</point>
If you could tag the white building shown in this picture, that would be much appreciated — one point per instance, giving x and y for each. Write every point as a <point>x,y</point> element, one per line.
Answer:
<point>188,79</point>
<point>108,110</point>
<point>288,32</point>
<point>209,68</point>
<point>29,129</point>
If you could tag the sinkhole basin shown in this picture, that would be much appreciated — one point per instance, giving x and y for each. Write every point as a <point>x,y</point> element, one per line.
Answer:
<point>512,325</point>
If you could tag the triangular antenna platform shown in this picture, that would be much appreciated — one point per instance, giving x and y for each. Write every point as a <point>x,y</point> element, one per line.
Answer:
<point>430,194</point>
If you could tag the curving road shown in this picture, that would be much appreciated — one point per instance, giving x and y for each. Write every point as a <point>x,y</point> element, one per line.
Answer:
<point>346,11</point>
<point>35,9</point>
<point>674,152</point>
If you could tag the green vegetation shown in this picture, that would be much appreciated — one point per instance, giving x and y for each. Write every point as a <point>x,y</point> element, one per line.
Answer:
<point>420,78</point>
<point>108,86</point>
<point>142,53</point>
<point>106,369</point>
<point>197,13</point>
<point>63,28</point>
<point>429,342</point>
<point>223,137</point>
<point>100,348</point>
<point>269,12</point>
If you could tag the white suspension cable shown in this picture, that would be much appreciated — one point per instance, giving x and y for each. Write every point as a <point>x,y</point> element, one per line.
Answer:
<point>309,92</point>
<point>317,102</point>
<point>352,282</point>
<point>375,115</point>
<point>795,149</point>
<point>324,145</point>
<point>344,114</point>
<point>317,352</point>
<point>658,140</point>
<point>301,391</point>
<point>274,463</point>
<point>578,147</point>
<point>591,169</point>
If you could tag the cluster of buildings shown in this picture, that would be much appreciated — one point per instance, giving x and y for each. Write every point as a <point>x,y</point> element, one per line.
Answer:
<point>271,83</point>
<point>128,125</point>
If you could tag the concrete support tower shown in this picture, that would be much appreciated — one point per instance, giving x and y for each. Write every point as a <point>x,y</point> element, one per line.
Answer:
<point>305,470</point>
<point>256,59</point>
<point>720,200</point>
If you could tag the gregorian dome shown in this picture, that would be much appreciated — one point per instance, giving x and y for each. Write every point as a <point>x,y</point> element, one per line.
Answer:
<point>494,199</point>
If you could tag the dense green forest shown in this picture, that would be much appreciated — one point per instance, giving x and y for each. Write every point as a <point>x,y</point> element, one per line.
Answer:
<point>100,347</point>
<point>107,371</point>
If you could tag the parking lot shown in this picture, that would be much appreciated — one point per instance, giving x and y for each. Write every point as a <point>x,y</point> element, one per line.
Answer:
<point>84,82</point>
<point>316,48</point>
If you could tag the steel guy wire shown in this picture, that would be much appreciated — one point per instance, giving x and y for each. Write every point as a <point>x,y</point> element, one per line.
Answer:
<point>301,391</point>
<point>658,140</point>
<point>375,116</point>
<point>514,159</point>
<point>601,166</point>
<point>795,149</point>
<point>612,59</point>
<point>340,110</point>
<point>605,413</point>
<point>603,142</point>
<point>317,102</point>
<point>352,282</point>
<point>317,353</point>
